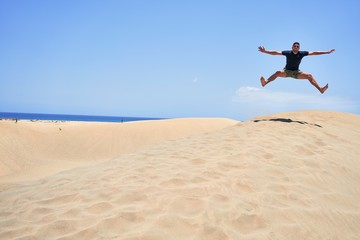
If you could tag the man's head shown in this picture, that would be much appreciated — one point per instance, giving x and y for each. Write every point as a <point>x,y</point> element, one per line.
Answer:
<point>296,47</point>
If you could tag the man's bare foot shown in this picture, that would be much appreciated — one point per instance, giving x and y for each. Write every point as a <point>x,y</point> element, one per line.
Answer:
<point>324,88</point>
<point>263,81</point>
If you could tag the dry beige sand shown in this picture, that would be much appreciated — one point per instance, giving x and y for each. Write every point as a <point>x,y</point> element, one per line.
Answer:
<point>287,176</point>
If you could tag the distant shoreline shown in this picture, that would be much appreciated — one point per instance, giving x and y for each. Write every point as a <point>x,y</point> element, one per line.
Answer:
<point>68,117</point>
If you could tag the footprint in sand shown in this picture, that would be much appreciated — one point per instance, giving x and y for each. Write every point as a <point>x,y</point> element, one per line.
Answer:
<point>243,187</point>
<point>197,161</point>
<point>248,223</point>
<point>101,207</point>
<point>188,207</point>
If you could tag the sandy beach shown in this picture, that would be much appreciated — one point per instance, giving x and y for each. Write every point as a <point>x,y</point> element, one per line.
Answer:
<point>286,176</point>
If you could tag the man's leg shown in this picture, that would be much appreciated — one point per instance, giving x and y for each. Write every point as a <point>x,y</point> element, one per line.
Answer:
<point>312,80</point>
<point>280,73</point>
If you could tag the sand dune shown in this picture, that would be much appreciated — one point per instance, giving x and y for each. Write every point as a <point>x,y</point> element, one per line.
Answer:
<point>286,176</point>
<point>31,150</point>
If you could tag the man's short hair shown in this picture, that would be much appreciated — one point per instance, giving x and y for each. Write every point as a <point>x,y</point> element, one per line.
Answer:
<point>296,43</point>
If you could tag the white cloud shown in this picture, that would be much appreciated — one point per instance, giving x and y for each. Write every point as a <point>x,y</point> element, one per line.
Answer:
<point>259,101</point>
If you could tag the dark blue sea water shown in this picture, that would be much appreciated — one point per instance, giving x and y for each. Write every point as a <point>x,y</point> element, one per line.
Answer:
<point>66,117</point>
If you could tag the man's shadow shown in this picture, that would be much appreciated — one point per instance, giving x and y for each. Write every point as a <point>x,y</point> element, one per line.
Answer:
<point>287,120</point>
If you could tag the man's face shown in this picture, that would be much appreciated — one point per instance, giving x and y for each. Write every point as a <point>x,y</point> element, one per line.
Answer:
<point>296,48</point>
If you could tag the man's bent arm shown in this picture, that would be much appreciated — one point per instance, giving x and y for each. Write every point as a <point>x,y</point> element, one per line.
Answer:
<point>321,52</point>
<point>271,52</point>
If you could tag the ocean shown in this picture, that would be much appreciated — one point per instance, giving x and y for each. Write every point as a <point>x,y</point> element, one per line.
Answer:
<point>67,117</point>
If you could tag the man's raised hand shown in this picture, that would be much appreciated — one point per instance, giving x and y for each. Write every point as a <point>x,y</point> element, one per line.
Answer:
<point>261,49</point>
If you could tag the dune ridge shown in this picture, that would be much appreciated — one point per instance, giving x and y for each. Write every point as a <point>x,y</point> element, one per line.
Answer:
<point>31,150</point>
<point>285,176</point>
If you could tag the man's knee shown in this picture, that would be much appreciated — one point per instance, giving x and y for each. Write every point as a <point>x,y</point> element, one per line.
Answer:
<point>308,76</point>
<point>279,73</point>
<point>311,79</point>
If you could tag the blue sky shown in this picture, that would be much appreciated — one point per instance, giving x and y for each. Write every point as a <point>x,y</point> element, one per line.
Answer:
<point>174,58</point>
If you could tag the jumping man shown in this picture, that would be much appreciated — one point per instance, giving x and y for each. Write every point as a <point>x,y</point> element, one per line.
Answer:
<point>293,60</point>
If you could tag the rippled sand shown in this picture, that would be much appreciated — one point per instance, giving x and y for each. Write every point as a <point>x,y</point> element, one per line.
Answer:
<point>286,176</point>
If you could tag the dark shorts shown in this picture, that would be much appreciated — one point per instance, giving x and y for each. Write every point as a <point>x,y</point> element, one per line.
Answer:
<point>292,73</point>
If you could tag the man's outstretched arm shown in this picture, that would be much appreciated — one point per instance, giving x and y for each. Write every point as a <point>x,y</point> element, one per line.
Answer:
<point>321,52</point>
<point>271,52</point>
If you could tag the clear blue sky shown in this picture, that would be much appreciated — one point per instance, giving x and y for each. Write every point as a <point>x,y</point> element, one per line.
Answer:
<point>175,58</point>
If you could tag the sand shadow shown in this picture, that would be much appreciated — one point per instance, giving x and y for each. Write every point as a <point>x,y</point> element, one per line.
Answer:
<point>287,120</point>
